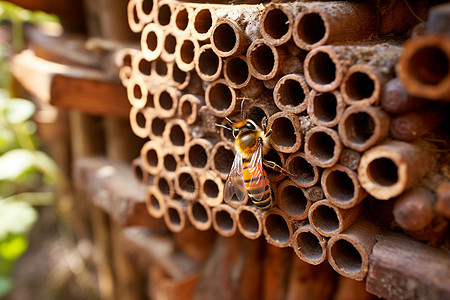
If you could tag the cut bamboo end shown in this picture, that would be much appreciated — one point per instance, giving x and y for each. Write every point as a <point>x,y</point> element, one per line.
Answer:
<point>291,93</point>
<point>181,79</point>
<point>275,23</point>
<point>286,132</point>
<point>203,22</point>
<point>185,50</point>
<point>414,209</point>
<point>350,158</point>
<point>386,170</point>
<point>134,21</point>
<point>138,171</point>
<point>156,126</point>
<point>151,159</point>
<point>330,220</point>
<point>166,102</point>
<point>423,67</point>
<point>186,183</point>
<point>197,155</point>
<point>160,71</point>
<point>323,69</point>
<point>224,220</point>
<point>152,38</point>
<point>277,228</point>
<point>175,215</point>
<point>363,126</point>
<point>349,252</point>
<point>362,85</point>
<point>155,203</point>
<point>189,106</point>
<point>139,122</point>
<point>200,215</point>
<point>395,98</point>
<point>236,73</point>
<point>325,109</point>
<point>125,74</point>
<point>180,18</point>
<point>221,99</point>
<point>146,10</point>
<point>178,133</point>
<point>222,156</point>
<point>211,188</point>
<point>164,12</point>
<point>265,60</point>
<point>323,146</point>
<point>228,38</point>
<point>249,221</point>
<point>309,245</point>
<point>304,172</point>
<point>278,158</point>
<point>165,183</point>
<point>170,162</point>
<point>137,92</point>
<point>207,63</point>
<point>292,200</point>
<point>341,187</point>
<point>169,45</point>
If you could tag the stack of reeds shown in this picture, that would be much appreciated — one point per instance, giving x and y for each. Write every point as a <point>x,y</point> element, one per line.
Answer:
<point>358,145</point>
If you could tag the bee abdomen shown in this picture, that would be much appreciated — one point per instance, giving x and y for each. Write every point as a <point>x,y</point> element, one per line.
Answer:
<point>266,201</point>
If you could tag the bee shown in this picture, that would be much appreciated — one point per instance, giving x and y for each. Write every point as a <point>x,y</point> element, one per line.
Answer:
<point>247,174</point>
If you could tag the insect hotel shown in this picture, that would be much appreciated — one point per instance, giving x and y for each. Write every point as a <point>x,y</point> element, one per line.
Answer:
<point>247,150</point>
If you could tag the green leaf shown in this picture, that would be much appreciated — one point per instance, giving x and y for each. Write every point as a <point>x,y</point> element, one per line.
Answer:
<point>34,198</point>
<point>47,166</point>
<point>19,110</point>
<point>15,163</point>
<point>16,218</point>
<point>5,286</point>
<point>7,139</point>
<point>13,246</point>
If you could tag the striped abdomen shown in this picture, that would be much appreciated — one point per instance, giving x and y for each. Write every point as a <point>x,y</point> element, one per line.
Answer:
<point>257,186</point>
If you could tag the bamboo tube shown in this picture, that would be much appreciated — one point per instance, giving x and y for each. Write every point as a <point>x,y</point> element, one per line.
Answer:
<point>320,24</point>
<point>363,126</point>
<point>277,228</point>
<point>199,214</point>
<point>260,108</point>
<point>165,183</point>
<point>309,245</point>
<point>186,183</point>
<point>146,10</point>
<point>170,161</point>
<point>423,67</point>
<point>224,220</point>
<point>152,38</point>
<point>349,251</point>
<point>349,289</point>
<point>151,157</point>
<point>226,135</point>
<point>125,74</point>
<point>211,188</point>
<point>221,99</point>
<point>182,79</point>
<point>156,125</point>
<point>137,92</point>
<point>203,22</point>
<point>141,65</point>
<point>350,158</point>
<point>134,21</point>
<point>277,157</point>
<point>386,170</point>
<point>178,133</point>
<point>160,72</point>
<point>163,286</point>
<point>286,132</point>
<point>329,220</point>
<point>265,61</point>
<point>323,147</point>
<point>412,125</point>
<point>442,205</point>
<point>414,209</point>
<point>169,45</point>
<point>207,63</point>
<point>304,172</point>
<point>164,12</point>
<point>181,16</point>
<point>249,221</point>
<point>325,109</point>
<point>276,266</point>
<point>138,171</point>
<point>292,200</point>
<point>291,93</point>
<point>188,108</point>
<point>395,98</point>
<point>139,123</point>
<point>222,158</point>
<point>166,102</point>
<point>175,215</point>
<point>315,193</point>
<point>155,202</point>
<point>197,155</point>
<point>228,38</point>
<point>237,76</point>
<point>185,50</point>
<point>341,187</point>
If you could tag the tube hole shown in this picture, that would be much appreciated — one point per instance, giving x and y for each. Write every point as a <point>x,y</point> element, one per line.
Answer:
<point>174,216</point>
<point>186,110</point>
<point>262,59</point>
<point>224,220</point>
<point>302,170</point>
<point>158,125</point>
<point>277,228</point>
<point>147,6</point>
<point>211,189</point>
<point>429,65</point>
<point>160,67</point>
<point>224,37</point>
<point>383,171</point>
<point>294,200</point>
<point>137,92</point>
<point>208,62</point>
<point>152,41</point>
<point>237,70</point>
<point>199,212</point>
<point>322,68</point>
<point>309,245</point>
<point>170,163</point>
<point>276,24</point>
<point>187,51</point>
<point>291,93</point>
<point>248,221</point>
<point>144,67</point>
<point>163,186</point>
<point>346,256</point>
<point>283,132</point>
<point>325,105</point>
<point>186,182</point>
<point>325,218</point>
<point>141,120</point>
<point>321,146</point>
<point>275,157</point>
<point>165,101</point>
<point>311,28</point>
<point>164,14</point>
<point>177,136</point>
<point>152,157</point>
<point>182,19</point>
<point>169,43</point>
<point>155,203</point>
<point>197,156</point>
<point>178,75</point>
<point>359,86</point>
<point>359,127</point>
<point>220,96</point>
<point>340,186</point>
<point>203,21</point>
<point>223,159</point>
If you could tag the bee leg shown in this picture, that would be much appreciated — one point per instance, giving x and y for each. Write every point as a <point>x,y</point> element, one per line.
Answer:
<point>268,133</point>
<point>276,167</point>
<point>264,124</point>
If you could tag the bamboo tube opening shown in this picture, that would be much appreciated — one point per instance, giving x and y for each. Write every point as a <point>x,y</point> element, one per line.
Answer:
<point>286,136</point>
<point>429,65</point>
<point>224,220</point>
<point>276,229</point>
<point>164,14</point>
<point>157,127</point>
<point>139,122</point>
<point>180,77</point>
<point>170,42</point>
<point>383,171</point>
<point>181,20</point>
<point>225,134</point>
<point>185,53</point>
<point>147,6</point>
<point>160,68</point>
<point>203,21</point>
<point>189,108</point>
<point>170,163</point>
<point>198,154</point>
<point>137,92</point>
<point>346,256</point>
<point>208,64</point>
<point>144,66</point>
<point>211,188</point>
<point>150,157</point>
<point>309,30</point>
<point>261,58</point>
<point>134,21</point>
<point>358,86</point>
<point>163,185</point>
<point>166,102</point>
<point>175,217</point>
<point>186,183</point>
<point>290,93</point>
<point>151,41</point>
<point>321,70</point>
<point>200,215</point>
<point>305,174</point>
<point>324,218</point>
<point>236,72</point>
<point>323,146</point>
<point>139,173</point>
<point>309,245</point>
<point>222,159</point>
<point>155,203</point>
<point>220,98</point>
<point>249,222</point>
<point>177,135</point>
<point>325,109</point>
<point>225,38</point>
<point>274,24</point>
<point>292,200</point>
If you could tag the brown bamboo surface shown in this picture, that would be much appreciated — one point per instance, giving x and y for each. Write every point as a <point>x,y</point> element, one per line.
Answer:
<point>323,146</point>
<point>249,221</point>
<point>325,109</point>
<point>309,245</point>
<point>291,93</point>
<point>200,215</point>
<point>292,200</point>
<point>224,220</point>
<point>286,136</point>
<point>276,228</point>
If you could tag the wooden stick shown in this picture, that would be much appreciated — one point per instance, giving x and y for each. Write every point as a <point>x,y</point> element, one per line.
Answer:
<point>207,63</point>
<point>363,126</point>
<point>442,206</point>
<point>152,41</point>
<point>349,251</point>
<point>186,183</point>
<point>175,215</point>
<point>330,220</point>
<point>155,202</point>
<point>350,158</point>
<point>286,133</point>
<point>349,289</point>
<point>178,133</point>
<point>386,170</point>
<point>211,188</point>
<point>265,61</point>
<point>292,200</point>
<point>309,245</point>
<point>325,109</point>
<point>304,172</point>
<point>291,93</point>
<point>222,158</point>
<point>185,52</point>
<point>277,228</point>
<point>323,146</point>
<point>395,98</point>
<point>200,215</point>
<point>402,268</point>
<point>151,157</point>
<point>276,270</point>
<point>221,99</point>
<point>249,221</point>
<point>224,220</point>
<point>341,186</point>
<point>414,209</point>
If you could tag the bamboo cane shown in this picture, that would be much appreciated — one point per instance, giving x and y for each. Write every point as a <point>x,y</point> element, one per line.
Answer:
<point>325,109</point>
<point>323,146</point>
<point>292,200</point>
<point>309,245</point>
<point>291,93</point>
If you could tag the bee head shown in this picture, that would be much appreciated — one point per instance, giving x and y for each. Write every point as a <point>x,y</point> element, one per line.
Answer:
<point>243,126</point>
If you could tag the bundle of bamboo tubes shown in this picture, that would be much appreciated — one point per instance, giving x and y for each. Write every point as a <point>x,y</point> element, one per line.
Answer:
<point>357,141</point>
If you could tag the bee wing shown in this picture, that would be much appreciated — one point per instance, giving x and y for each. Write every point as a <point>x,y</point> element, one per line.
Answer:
<point>234,184</point>
<point>257,183</point>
